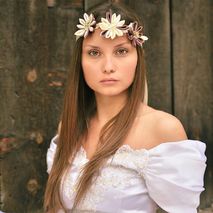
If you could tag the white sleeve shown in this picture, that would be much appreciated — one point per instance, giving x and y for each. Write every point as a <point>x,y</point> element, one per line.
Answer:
<point>51,153</point>
<point>174,175</point>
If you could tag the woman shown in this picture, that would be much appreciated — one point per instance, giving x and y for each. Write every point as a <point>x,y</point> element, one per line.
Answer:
<point>114,153</point>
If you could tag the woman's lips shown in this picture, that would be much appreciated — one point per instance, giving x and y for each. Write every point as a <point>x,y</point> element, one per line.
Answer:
<point>108,81</point>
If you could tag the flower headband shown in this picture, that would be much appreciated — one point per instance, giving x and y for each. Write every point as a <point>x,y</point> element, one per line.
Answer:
<point>111,26</point>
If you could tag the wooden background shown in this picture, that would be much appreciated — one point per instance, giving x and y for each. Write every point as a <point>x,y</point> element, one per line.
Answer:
<point>36,37</point>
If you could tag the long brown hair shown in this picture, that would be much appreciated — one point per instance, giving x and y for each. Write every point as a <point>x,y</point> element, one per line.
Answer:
<point>78,108</point>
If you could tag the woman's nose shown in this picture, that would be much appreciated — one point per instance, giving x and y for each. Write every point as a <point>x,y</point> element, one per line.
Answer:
<point>109,66</point>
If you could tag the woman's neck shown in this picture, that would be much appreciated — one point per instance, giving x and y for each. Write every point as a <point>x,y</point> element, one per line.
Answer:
<point>108,107</point>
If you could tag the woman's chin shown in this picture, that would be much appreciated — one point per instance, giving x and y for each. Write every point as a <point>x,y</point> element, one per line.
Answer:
<point>113,93</point>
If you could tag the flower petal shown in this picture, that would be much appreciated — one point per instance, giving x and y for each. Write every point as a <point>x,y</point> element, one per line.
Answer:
<point>91,16</point>
<point>107,34</point>
<point>113,34</point>
<point>109,15</point>
<point>134,42</point>
<point>91,29</point>
<point>145,38</point>
<point>139,28</point>
<point>120,23</point>
<point>135,25</point>
<point>113,19</point>
<point>82,21</point>
<point>80,26</point>
<point>104,26</point>
<point>86,17</point>
<point>118,18</point>
<point>93,23</point>
<point>77,37</point>
<point>118,32</point>
<point>86,33</point>
<point>103,20</point>
<point>138,42</point>
<point>130,25</point>
<point>79,32</point>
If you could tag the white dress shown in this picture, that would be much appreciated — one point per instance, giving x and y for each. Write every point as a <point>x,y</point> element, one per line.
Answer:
<point>169,175</point>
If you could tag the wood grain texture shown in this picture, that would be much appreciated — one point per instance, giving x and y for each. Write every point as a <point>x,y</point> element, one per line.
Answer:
<point>37,43</point>
<point>193,76</point>
<point>23,67</point>
<point>7,65</point>
<point>156,18</point>
<point>91,3</point>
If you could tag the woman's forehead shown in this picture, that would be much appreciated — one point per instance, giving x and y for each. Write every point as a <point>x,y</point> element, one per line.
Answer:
<point>95,39</point>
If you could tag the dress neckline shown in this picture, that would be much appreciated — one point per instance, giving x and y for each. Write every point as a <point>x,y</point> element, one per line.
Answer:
<point>128,148</point>
<point>122,148</point>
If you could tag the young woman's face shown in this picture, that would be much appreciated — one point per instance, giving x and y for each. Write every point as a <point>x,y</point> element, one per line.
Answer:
<point>108,65</point>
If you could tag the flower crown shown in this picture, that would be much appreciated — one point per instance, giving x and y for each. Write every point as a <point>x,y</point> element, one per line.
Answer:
<point>111,26</point>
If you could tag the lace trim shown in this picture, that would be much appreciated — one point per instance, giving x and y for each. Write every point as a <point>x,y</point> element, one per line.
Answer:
<point>122,170</point>
<point>137,159</point>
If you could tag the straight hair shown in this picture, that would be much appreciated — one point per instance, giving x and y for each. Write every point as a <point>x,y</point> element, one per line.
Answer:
<point>79,107</point>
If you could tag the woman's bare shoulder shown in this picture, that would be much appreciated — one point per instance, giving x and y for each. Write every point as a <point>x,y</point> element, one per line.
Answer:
<point>169,128</point>
<point>164,126</point>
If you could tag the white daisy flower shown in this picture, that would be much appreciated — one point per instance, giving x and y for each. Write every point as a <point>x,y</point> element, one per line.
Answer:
<point>86,25</point>
<point>112,26</point>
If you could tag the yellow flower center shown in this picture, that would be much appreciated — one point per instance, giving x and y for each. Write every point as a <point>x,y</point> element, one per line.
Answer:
<point>136,34</point>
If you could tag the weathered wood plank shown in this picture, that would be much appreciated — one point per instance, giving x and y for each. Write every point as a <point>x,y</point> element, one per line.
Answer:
<point>7,66</point>
<point>156,18</point>
<point>193,76</point>
<point>22,129</point>
<point>38,43</point>
<point>61,27</point>
<point>91,3</point>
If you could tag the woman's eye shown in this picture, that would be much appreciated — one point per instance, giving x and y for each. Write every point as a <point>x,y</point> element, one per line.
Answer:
<point>94,53</point>
<point>122,51</point>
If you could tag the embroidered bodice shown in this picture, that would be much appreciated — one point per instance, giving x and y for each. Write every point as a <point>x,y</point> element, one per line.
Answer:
<point>169,175</point>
